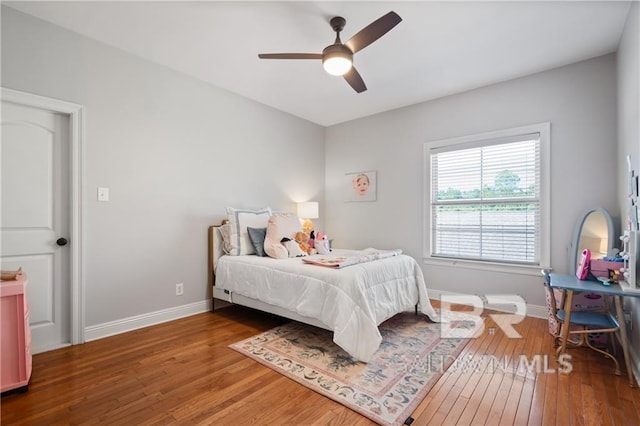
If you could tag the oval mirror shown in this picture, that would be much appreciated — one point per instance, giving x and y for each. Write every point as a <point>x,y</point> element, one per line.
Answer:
<point>594,231</point>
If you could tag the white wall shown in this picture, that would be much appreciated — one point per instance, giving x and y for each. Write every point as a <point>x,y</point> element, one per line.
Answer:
<point>629,136</point>
<point>174,152</point>
<point>580,102</point>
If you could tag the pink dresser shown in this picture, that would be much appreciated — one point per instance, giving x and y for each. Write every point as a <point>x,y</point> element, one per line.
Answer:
<point>15,335</point>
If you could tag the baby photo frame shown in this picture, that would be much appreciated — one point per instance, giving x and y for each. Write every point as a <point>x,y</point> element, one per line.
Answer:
<point>360,186</point>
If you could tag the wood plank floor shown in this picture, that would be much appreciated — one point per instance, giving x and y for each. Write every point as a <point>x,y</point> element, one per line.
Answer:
<point>182,372</point>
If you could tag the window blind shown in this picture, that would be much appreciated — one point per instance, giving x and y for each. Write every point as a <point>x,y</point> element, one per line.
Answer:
<point>485,200</point>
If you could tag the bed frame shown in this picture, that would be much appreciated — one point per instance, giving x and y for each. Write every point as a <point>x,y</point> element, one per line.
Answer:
<point>215,252</point>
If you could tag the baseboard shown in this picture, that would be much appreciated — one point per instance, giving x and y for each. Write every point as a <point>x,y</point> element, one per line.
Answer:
<point>535,311</point>
<point>111,328</point>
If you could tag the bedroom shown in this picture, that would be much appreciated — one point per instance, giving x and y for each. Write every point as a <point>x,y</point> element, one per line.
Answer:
<point>171,168</point>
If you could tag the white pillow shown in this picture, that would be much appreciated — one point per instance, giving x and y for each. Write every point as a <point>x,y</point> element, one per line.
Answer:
<point>280,225</point>
<point>239,220</point>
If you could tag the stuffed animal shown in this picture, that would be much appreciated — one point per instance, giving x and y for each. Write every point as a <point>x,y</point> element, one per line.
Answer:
<point>293,248</point>
<point>303,241</point>
<point>322,243</point>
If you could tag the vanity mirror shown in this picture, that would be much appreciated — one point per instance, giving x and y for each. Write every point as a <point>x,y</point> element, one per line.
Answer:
<point>594,231</point>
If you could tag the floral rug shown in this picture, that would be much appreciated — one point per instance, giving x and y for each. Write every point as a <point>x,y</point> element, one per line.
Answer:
<point>410,360</point>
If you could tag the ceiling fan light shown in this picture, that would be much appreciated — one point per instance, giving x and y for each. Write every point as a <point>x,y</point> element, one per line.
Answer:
<point>337,65</point>
<point>337,59</point>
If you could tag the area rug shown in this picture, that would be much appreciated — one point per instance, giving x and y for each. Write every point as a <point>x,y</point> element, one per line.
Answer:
<point>410,360</point>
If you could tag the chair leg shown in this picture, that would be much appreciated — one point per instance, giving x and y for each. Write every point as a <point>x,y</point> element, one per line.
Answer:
<point>607,354</point>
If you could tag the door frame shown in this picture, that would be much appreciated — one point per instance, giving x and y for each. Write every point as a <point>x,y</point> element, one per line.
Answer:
<point>76,115</point>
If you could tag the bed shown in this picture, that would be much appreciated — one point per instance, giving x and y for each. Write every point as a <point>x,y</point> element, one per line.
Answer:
<point>351,301</point>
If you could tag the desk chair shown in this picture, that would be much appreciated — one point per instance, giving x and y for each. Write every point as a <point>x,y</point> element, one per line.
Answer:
<point>584,323</point>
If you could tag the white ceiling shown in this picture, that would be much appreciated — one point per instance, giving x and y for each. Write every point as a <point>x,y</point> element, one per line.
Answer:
<point>439,48</point>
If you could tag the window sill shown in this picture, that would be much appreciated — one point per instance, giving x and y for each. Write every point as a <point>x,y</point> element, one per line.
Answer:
<point>534,270</point>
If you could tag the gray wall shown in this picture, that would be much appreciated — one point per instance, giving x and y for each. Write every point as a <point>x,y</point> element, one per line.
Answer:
<point>174,152</point>
<point>580,102</point>
<point>629,136</point>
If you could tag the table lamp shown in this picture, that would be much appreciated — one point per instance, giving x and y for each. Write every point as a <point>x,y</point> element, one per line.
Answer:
<point>307,211</point>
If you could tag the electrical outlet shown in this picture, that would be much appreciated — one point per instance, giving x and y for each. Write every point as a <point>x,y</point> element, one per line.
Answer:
<point>179,289</point>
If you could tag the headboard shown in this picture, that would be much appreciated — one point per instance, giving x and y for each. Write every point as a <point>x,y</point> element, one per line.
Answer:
<point>214,250</point>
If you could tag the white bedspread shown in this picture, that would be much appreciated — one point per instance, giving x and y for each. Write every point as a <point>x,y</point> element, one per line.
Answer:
<point>350,301</point>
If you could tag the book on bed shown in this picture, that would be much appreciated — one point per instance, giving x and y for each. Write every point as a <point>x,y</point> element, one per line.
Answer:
<point>367,255</point>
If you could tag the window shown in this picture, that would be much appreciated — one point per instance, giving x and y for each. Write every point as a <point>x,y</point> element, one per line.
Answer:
<point>487,198</point>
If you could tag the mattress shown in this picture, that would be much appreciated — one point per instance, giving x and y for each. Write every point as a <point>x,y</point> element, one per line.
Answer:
<point>351,301</point>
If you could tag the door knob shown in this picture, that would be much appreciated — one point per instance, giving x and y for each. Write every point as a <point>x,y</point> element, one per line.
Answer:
<point>61,242</point>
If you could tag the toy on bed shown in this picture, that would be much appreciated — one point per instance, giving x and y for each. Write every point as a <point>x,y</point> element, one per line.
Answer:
<point>322,243</point>
<point>312,239</point>
<point>303,241</point>
<point>293,248</point>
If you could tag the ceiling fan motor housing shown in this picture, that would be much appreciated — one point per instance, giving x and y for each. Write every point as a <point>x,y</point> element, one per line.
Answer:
<point>337,50</point>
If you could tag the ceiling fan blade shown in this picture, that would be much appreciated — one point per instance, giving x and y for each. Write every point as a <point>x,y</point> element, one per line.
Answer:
<point>353,78</point>
<point>290,55</point>
<point>373,31</point>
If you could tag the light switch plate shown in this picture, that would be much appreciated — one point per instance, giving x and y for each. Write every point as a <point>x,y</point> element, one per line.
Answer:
<point>103,194</point>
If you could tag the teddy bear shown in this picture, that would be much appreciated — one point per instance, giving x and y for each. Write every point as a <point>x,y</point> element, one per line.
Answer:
<point>322,243</point>
<point>303,241</point>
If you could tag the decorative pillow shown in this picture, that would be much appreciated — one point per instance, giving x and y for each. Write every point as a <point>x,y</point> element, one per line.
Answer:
<point>281,225</point>
<point>239,220</point>
<point>225,231</point>
<point>256,235</point>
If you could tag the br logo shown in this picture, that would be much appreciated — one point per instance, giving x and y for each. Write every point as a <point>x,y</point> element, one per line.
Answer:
<point>470,324</point>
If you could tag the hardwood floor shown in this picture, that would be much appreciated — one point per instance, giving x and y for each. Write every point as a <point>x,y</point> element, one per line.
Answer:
<point>182,372</point>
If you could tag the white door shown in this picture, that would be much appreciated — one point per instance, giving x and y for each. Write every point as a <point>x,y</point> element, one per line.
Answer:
<point>34,217</point>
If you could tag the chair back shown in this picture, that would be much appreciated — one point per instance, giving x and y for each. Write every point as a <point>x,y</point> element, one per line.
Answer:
<point>550,298</point>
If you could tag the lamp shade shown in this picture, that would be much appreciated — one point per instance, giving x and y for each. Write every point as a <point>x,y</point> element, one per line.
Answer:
<point>308,210</point>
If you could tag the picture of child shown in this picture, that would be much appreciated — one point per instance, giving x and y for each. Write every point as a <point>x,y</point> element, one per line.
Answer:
<point>360,186</point>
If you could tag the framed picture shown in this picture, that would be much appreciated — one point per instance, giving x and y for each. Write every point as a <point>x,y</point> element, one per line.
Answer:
<point>360,186</point>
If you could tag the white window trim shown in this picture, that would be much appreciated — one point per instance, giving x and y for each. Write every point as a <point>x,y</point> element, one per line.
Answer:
<point>544,129</point>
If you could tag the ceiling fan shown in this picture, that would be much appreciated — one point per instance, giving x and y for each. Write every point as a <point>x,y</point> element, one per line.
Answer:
<point>337,58</point>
